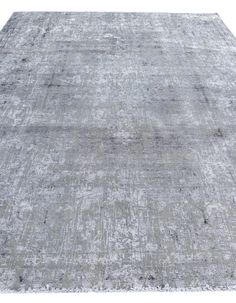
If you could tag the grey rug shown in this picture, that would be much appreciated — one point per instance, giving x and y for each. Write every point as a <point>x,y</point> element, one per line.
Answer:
<point>117,152</point>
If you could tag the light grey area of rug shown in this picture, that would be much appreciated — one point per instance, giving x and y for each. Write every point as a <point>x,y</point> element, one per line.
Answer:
<point>117,152</point>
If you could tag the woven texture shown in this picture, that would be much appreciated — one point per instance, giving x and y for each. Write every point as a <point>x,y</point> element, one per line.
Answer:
<point>117,152</point>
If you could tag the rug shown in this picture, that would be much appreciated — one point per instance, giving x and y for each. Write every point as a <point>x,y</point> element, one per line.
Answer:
<point>117,144</point>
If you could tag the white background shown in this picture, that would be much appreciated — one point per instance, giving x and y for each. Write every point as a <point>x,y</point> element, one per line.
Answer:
<point>227,11</point>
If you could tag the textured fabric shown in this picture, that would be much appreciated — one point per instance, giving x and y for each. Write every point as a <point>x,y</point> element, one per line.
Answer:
<point>117,152</point>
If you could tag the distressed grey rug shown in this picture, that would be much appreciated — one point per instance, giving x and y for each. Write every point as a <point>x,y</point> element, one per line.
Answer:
<point>117,152</point>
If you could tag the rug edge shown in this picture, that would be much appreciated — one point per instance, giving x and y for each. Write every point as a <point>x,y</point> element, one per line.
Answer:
<point>206,288</point>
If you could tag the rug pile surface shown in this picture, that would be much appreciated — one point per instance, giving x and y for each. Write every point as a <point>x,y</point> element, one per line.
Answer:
<point>117,152</point>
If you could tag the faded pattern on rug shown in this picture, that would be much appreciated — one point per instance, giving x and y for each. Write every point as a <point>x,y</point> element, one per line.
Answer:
<point>117,152</point>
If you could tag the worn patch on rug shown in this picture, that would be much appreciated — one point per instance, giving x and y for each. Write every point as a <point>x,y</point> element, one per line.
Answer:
<point>117,152</point>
